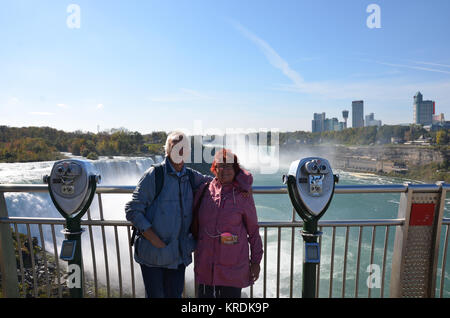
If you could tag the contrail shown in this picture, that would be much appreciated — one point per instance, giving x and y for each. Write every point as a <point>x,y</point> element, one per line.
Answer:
<point>273,57</point>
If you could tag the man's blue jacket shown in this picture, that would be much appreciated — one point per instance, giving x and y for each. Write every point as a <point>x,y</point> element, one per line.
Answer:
<point>169,216</point>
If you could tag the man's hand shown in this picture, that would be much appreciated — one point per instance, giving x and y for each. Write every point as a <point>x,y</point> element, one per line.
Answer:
<point>153,238</point>
<point>254,272</point>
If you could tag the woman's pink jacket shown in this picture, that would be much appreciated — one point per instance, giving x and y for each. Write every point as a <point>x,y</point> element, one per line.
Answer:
<point>225,209</point>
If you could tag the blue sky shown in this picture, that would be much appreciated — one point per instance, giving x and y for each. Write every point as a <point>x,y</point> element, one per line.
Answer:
<point>161,65</point>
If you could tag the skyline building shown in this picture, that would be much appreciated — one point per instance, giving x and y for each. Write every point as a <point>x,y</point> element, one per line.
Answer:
<point>331,124</point>
<point>357,114</point>
<point>423,110</point>
<point>318,123</point>
<point>424,114</point>
<point>345,116</point>
<point>371,121</point>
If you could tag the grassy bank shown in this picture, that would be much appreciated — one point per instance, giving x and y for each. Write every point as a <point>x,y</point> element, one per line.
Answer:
<point>430,173</point>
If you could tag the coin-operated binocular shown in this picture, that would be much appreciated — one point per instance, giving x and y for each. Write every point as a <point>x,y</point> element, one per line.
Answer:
<point>71,185</point>
<point>310,183</point>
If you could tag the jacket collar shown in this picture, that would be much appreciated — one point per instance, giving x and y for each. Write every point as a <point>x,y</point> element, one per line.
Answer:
<point>171,169</point>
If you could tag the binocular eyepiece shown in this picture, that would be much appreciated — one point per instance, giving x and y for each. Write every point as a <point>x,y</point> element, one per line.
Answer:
<point>316,167</point>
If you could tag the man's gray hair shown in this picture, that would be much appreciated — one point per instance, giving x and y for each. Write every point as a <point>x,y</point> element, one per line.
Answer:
<point>174,136</point>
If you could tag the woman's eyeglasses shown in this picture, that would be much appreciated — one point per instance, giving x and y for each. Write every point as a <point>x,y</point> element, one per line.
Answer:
<point>225,166</point>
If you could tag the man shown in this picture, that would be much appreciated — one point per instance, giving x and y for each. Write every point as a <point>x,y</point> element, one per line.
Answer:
<point>164,248</point>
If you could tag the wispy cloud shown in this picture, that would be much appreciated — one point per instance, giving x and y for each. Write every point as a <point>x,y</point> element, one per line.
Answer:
<point>274,58</point>
<point>41,113</point>
<point>414,67</point>
<point>61,105</point>
<point>430,63</point>
<point>194,93</point>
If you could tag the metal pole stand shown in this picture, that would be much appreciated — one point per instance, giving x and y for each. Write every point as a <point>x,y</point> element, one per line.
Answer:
<point>311,258</point>
<point>73,233</point>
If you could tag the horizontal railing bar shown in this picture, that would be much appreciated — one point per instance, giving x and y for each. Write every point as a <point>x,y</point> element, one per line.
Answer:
<point>339,223</point>
<point>30,220</point>
<point>349,189</point>
<point>339,189</point>
<point>370,222</point>
<point>25,220</point>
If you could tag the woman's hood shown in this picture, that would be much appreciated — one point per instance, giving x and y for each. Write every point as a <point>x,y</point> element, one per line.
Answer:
<point>243,180</point>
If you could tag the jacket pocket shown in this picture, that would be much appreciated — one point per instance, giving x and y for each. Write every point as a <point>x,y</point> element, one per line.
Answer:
<point>230,254</point>
<point>152,255</point>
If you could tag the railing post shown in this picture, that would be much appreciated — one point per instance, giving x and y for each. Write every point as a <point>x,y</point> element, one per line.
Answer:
<point>8,263</point>
<point>416,244</point>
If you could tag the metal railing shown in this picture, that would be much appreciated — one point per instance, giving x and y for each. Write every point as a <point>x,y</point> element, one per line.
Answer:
<point>329,275</point>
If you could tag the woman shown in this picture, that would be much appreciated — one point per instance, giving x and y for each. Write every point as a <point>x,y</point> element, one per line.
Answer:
<point>227,225</point>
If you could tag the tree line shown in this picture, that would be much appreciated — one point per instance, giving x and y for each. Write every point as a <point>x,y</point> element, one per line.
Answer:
<point>371,135</point>
<point>45,143</point>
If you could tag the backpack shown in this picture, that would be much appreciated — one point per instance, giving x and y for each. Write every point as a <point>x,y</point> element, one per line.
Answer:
<point>159,182</point>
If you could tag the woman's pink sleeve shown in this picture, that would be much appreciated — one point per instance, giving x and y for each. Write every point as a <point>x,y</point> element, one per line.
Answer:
<point>251,223</point>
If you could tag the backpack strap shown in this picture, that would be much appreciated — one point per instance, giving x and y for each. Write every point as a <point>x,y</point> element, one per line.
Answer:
<point>159,179</point>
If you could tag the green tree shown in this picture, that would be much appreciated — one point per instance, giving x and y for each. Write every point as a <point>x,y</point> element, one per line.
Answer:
<point>442,137</point>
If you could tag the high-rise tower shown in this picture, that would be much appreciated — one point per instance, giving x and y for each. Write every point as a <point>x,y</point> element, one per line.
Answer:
<point>345,115</point>
<point>357,114</point>
<point>423,110</point>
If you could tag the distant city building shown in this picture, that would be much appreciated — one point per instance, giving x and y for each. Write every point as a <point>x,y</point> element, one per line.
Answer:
<point>340,126</point>
<point>357,114</point>
<point>371,121</point>
<point>438,118</point>
<point>423,110</point>
<point>331,123</point>
<point>436,126</point>
<point>318,123</point>
<point>345,116</point>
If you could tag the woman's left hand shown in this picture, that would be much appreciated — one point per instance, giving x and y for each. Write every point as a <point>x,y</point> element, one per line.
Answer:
<point>254,272</point>
<point>246,194</point>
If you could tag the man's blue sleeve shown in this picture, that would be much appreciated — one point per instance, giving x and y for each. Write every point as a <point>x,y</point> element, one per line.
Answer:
<point>142,197</point>
<point>200,178</point>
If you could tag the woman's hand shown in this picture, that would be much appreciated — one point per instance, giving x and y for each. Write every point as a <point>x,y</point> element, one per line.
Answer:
<point>153,238</point>
<point>254,272</point>
<point>245,194</point>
